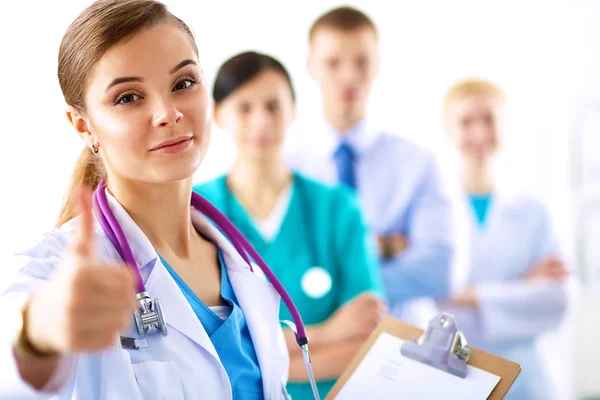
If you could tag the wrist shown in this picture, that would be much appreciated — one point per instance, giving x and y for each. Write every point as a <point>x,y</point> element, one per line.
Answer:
<point>386,248</point>
<point>473,298</point>
<point>28,344</point>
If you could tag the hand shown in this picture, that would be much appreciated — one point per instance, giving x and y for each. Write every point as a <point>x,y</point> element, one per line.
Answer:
<point>356,319</point>
<point>86,302</point>
<point>549,268</point>
<point>466,298</point>
<point>391,245</point>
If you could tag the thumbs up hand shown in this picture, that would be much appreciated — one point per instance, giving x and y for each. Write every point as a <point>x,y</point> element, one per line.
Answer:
<point>86,302</point>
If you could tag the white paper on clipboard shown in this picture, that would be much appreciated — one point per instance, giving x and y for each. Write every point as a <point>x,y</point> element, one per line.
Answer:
<point>384,373</point>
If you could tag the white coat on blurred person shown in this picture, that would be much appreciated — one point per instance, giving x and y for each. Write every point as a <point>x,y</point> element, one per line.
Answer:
<point>517,284</point>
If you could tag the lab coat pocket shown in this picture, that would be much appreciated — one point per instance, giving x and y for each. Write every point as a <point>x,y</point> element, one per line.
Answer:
<point>158,380</point>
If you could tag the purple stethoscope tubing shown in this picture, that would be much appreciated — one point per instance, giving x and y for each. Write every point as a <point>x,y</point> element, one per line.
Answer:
<point>115,234</point>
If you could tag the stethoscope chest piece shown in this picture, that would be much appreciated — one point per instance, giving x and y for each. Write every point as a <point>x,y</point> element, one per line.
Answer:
<point>149,316</point>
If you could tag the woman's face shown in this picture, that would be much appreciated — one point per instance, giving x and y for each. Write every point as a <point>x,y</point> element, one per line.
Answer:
<point>473,123</point>
<point>147,106</point>
<point>257,115</point>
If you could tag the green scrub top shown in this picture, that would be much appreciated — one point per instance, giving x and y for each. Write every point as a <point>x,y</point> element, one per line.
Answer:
<point>322,254</point>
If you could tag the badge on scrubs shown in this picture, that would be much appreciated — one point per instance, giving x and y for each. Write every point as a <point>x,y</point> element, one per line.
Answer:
<point>316,282</point>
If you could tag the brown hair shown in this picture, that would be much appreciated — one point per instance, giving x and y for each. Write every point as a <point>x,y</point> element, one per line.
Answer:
<point>472,87</point>
<point>98,28</point>
<point>241,69</point>
<point>342,18</point>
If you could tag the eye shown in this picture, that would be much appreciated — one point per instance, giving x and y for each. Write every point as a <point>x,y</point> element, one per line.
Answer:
<point>127,98</point>
<point>243,108</point>
<point>273,106</point>
<point>361,62</point>
<point>333,63</point>
<point>488,119</point>
<point>183,84</point>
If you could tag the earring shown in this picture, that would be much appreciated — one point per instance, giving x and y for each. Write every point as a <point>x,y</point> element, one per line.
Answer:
<point>95,150</point>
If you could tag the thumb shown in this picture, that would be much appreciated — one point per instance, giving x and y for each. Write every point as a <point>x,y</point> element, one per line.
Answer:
<point>83,242</point>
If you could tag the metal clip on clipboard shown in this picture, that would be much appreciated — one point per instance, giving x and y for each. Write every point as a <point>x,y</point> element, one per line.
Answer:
<point>442,346</point>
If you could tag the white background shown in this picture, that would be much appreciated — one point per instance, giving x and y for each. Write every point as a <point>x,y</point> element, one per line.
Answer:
<point>545,54</point>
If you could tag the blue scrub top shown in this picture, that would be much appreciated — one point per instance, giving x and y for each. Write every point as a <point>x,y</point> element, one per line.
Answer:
<point>480,204</point>
<point>230,337</point>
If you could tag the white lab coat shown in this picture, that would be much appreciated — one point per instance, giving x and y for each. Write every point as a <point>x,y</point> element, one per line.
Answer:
<point>512,313</point>
<point>183,365</point>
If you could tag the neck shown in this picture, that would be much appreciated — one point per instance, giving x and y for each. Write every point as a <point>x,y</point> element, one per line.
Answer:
<point>258,185</point>
<point>162,212</point>
<point>477,180</point>
<point>342,121</point>
<point>257,178</point>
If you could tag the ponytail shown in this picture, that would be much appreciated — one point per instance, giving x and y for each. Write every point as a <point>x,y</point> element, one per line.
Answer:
<point>89,171</point>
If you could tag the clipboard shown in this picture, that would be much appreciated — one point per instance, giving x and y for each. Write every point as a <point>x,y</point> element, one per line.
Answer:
<point>508,371</point>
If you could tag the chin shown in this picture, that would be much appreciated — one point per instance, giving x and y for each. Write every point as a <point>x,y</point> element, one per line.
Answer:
<point>261,157</point>
<point>180,170</point>
<point>480,159</point>
<point>351,107</point>
<point>262,152</point>
<point>165,177</point>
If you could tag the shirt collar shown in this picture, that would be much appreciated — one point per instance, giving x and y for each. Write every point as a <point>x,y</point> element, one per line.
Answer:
<point>360,137</point>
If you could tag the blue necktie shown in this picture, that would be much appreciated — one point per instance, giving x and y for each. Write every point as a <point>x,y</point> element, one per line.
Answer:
<point>344,160</point>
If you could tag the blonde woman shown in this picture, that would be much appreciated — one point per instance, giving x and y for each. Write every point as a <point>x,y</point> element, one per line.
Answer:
<point>517,284</point>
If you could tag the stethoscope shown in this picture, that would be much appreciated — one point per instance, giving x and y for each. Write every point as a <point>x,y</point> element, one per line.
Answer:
<point>149,316</point>
<point>307,217</point>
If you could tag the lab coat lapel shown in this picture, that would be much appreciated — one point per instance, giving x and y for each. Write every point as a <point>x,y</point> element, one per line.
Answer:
<point>484,240</point>
<point>258,300</point>
<point>159,283</point>
<point>499,213</point>
<point>178,311</point>
<point>260,304</point>
<point>493,214</point>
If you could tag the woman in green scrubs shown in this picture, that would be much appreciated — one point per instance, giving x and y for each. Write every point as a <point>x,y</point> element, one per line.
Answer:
<point>313,236</point>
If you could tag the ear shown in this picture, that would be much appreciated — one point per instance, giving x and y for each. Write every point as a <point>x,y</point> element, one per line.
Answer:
<point>76,119</point>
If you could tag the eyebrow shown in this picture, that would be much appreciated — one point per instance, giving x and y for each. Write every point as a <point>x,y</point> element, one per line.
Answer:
<point>118,81</point>
<point>181,65</point>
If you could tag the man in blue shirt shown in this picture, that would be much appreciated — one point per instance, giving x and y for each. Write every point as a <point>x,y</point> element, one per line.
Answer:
<point>398,182</point>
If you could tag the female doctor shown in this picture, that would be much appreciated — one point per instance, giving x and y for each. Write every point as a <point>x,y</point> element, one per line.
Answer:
<point>313,235</point>
<point>130,74</point>
<point>517,282</point>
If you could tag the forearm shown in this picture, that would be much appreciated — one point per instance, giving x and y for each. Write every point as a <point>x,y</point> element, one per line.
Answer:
<point>317,335</point>
<point>42,370</point>
<point>25,377</point>
<point>328,362</point>
<point>533,307</point>
<point>418,272</point>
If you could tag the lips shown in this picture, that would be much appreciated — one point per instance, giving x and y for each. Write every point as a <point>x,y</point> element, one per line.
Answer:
<point>349,94</point>
<point>173,146</point>
<point>172,142</point>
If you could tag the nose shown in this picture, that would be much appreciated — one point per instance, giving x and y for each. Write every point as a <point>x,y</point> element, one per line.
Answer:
<point>349,73</point>
<point>478,132</point>
<point>261,119</point>
<point>166,115</point>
